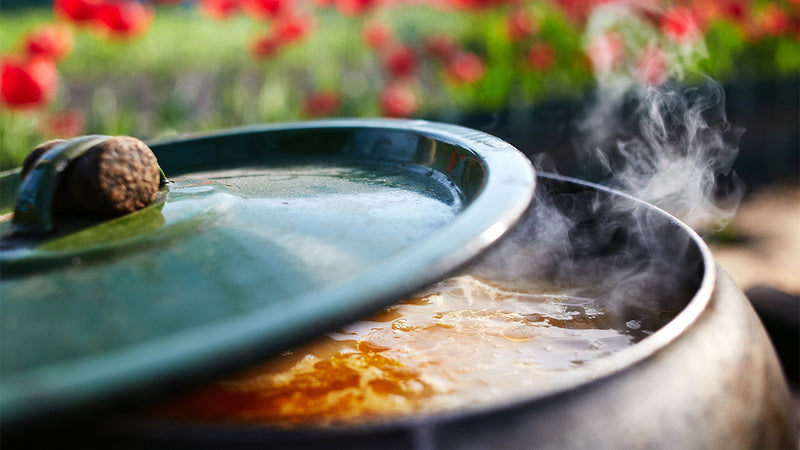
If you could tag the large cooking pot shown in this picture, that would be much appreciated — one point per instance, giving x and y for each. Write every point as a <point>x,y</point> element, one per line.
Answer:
<point>708,378</point>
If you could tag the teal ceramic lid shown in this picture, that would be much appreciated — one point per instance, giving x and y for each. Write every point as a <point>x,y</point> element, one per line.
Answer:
<point>264,237</point>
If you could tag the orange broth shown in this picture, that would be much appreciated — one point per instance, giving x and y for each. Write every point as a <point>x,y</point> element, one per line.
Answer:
<point>463,342</point>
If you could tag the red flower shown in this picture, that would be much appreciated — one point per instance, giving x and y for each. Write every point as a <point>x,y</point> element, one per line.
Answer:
<point>519,25</point>
<point>66,124</point>
<point>292,28</point>
<point>323,3</point>
<point>680,25</point>
<point>541,56</point>
<point>322,103</point>
<point>737,9</point>
<point>605,52</point>
<point>398,100</point>
<point>651,67</point>
<point>466,68</point>
<point>53,41</point>
<point>27,83</point>
<point>123,18</point>
<point>577,10</point>
<point>219,9</point>
<point>796,27</point>
<point>480,4</point>
<point>441,47</point>
<point>354,7</point>
<point>401,62</point>
<point>377,35</point>
<point>773,20</point>
<point>76,10</point>
<point>265,46</point>
<point>265,9</point>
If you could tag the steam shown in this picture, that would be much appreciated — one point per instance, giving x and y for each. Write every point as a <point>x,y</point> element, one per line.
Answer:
<point>674,150</point>
<point>657,130</point>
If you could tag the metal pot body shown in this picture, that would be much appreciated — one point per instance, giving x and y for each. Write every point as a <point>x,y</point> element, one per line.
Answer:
<point>709,379</point>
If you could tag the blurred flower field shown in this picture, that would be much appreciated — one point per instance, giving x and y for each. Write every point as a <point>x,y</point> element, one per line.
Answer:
<point>155,69</point>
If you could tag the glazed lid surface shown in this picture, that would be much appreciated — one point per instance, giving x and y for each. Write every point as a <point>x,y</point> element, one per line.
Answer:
<point>265,236</point>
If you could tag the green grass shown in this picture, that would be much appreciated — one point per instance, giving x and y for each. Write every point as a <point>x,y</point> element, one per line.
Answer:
<point>177,38</point>
<point>189,73</point>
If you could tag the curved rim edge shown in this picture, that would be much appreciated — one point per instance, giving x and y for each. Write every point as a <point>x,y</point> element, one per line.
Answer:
<point>632,356</point>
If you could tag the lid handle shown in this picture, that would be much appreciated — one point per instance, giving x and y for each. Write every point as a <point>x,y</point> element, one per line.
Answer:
<point>32,213</point>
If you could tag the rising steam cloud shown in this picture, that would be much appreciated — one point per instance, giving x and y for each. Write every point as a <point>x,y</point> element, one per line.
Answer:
<point>658,131</point>
<point>658,128</point>
<point>677,152</point>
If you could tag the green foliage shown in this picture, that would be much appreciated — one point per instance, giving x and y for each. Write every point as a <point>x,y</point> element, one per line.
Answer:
<point>189,73</point>
<point>18,136</point>
<point>723,40</point>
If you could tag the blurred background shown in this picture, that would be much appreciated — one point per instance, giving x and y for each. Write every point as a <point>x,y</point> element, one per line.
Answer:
<point>522,70</point>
